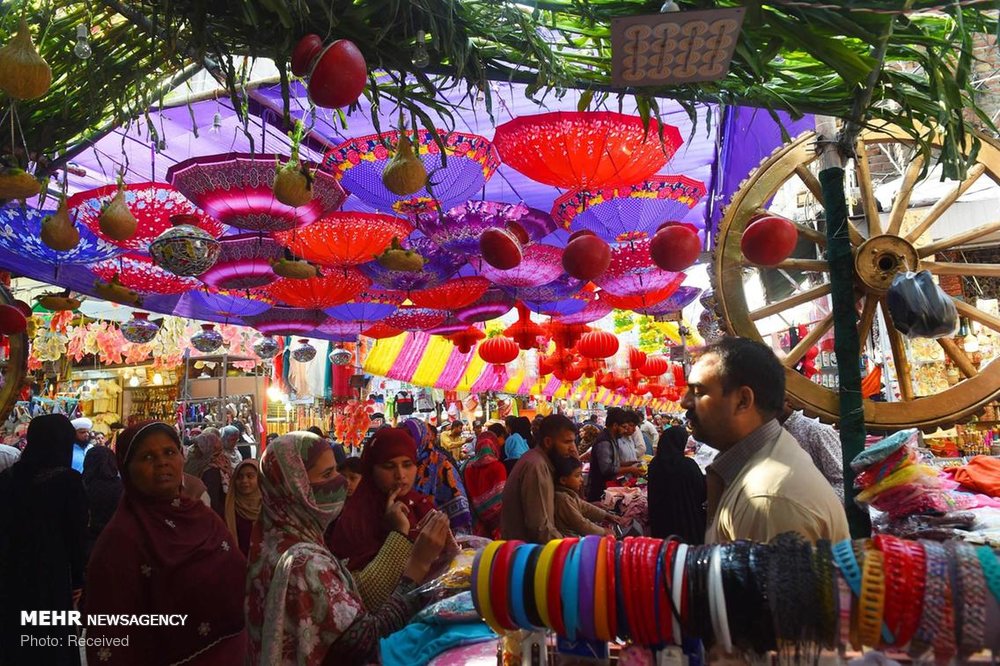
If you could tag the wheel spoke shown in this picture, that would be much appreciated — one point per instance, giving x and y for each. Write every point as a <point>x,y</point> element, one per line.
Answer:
<point>805,231</point>
<point>867,317</point>
<point>811,182</point>
<point>977,315</point>
<point>898,356</point>
<point>805,344</point>
<point>791,301</point>
<point>958,357</point>
<point>960,268</point>
<point>959,239</point>
<point>945,203</point>
<point>902,201</point>
<point>813,265</point>
<point>864,175</point>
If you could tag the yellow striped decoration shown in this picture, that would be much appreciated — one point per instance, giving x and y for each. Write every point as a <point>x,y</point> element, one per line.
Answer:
<point>472,373</point>
<point>433,361</point>
<point>384,353</point>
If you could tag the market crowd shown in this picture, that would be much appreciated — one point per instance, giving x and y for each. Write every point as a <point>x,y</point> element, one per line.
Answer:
<point>309,556</point>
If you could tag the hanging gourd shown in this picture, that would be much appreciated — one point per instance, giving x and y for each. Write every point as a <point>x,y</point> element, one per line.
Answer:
<point>398,258</point>
<point>405,174</point>
<point>293,181</point>
<point>58,302</point>
<point>116,220</point>
<point>294,269</point>
<point>18,184</point>
<point>23,73</point>
<point>58,231</point>
<point>115,292</point>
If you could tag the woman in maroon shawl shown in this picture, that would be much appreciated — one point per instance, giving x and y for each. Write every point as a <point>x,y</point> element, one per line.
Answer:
<point>485,476</point>
<point>165,554</point>
<point>388,472</point>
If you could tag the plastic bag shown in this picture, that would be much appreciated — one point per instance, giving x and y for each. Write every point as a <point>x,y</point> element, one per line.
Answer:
<point>920,308</point>
<point>455,577</point>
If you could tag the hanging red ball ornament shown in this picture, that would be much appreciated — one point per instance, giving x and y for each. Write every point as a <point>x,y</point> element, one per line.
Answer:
<point>636,358</point>
<point>12,320</point>
<point>769,239</point>
<point>597,344</point>
<point>501,249</point>
<point>498,350</point>
<point>337,74</point>
<point>675,246</point>
<point>586,256</point>
<point>302,55</point>
<point>465,340</point>
<point>654,366</point>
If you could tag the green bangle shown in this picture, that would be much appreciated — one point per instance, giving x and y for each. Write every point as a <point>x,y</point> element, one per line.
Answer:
<point>991,570</point>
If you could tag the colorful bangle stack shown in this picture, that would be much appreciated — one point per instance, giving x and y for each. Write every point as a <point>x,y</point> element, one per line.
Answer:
<point>936,628</point>
<point>905,571</point>
<point>969,594</point>
<point>872,602</point>
<point>826,587</point>
<point>991,570</point>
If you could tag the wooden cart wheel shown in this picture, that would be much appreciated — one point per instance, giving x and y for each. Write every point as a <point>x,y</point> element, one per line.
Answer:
<point>881,250</point>
<point>13,372</point>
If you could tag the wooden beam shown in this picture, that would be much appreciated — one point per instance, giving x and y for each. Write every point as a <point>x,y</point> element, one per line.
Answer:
<point>868,202</point>
<point>903,377</point>
<point>959,239</point>
<point>977,315</point>
<point>960,268</point>
<point>805,344</point>
<point>902,201</point>
<point>945,202</point>
<point>958,356</point>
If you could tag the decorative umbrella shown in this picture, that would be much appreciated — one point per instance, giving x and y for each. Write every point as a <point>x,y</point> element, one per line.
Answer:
<point>564,306</point>
<point>641,302</point>
<point>340,331</point>
<point>454,294</point>
<point>20,234</point>
<point>679,300</point>
<point>596,309</point>
<point>244,262</point>
<point>413,318</point>
<point>286,321</point>
<point>458,230</point>
<point>629,211</point>
<point>368,306</point>
<point>152,205</point>
<point>540,264</point>
<point>561,288</point>
<point>632,271</point>
<point>200,304</point>
<point>440,266</point>
<point>358,165</point>
<point>139,273</point>
<point>449,326</point>
<point>336,286</point>
<point>492,304</point>
<point>380,331</point>
<point>586,150</point>
<point>236,189</point>
<point>344,238</point>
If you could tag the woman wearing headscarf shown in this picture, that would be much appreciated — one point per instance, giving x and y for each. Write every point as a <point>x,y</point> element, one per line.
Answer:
<point>163,553</point>
<point>104,489</point>
<point>438,476</point>
<point>388,475</point>
<point>302,603</point>
<point>216,468</point>
<point>243,503</point>
<point>677,492</point>
<point>485,476</point>
<point>43,527</point>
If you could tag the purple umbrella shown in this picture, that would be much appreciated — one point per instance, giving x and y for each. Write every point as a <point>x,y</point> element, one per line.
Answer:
<point>440,266</point>
<point>286,321</point>
<point>20,234</point>
<point>208,305</point>
<point>494,303</point>
<point>244,262</point>
<point>540,264</point>
<point>369,306</point>
<point>459,229</point>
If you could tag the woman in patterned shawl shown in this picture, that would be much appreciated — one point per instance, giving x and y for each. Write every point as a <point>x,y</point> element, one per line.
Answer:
<point>303,606</point>
<point>438,476</point>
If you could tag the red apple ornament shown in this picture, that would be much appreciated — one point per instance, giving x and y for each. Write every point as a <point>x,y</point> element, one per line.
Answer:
<point>675,246</point>
<point>769,239</point>
<point>586,256</point>
<point>337,73</point>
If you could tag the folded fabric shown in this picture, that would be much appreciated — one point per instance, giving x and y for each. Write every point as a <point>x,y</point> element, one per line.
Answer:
<point>419,642</point>
<point>885,448</point>
<point>981,474</point>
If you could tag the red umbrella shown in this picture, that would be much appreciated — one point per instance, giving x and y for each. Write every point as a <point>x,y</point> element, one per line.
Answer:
<point>344,238</point>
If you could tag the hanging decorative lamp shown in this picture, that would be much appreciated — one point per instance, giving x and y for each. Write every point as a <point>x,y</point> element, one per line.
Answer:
<point>185,249</point>
<point>304,351</point>
<point>208,340</point>
<point>139,329</point>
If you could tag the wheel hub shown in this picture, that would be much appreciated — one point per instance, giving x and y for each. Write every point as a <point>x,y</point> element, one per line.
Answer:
<point>881,258</point>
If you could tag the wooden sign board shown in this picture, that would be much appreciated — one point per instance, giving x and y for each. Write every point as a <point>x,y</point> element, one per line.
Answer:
<point>674,47</point>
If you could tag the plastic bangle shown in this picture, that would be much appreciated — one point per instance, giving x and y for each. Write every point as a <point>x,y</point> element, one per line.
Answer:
<point>969,593</point>
<point>555,585</point>
<point>645,592</point>
<point>872,599</point>
<point>677,589</point>
<point>991,570</point>
<point>904,564</point>
<point>661,604</point>
<point>601,630</point>
<point>620,615</point>
<point>655,551</point>
<point>626,600</point>
<point>665,587</point>
<point>635,596</point>
<point>483,585</point>
<point>530,601</point>
<point>474,582</point>
<point>587,572</point>
<point>844,558</point>
<point>571,591</point>
<point>500,579</point>
<point>518,572</point>
<point>844,612</point>
<point>716,591</point>
<point>936,618</point>
<point>611,546</point>
<point>542,571</point>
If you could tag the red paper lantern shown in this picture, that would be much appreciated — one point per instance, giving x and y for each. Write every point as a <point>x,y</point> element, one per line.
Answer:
<point>673,394</point>
<point>498,350</point>
<point>453,294</point>
<point>591,367</point>
<point>679,380</point>
<point>565,335</point>
<point>597,344</point>
<point>569,373</point>
<point>675,247</point>
<point>465,340</point>
<point>656,389</point>
<point>636,358</point>
<point>12,320</point>
<point>586,256</point>
<point>769,239</point>
<point>545,365</point>
<point>654,366</point>
<point>524,331</point>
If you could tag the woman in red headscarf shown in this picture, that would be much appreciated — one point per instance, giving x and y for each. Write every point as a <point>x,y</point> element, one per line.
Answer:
<point>485,477</point>
<point>164,554</point>
<point>388,472</point>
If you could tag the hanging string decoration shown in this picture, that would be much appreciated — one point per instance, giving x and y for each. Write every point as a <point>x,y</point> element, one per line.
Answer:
<point>237,190</point>
<point>344,238</point>
<point>20,234</point>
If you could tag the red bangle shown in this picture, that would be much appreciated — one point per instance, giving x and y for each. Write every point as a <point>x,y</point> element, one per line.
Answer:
<point>650,556</point>
<point>663,584</point>
<point>905,571</point>
<point>610,543</point>
<point>555,585</point>
<point>500,585</point>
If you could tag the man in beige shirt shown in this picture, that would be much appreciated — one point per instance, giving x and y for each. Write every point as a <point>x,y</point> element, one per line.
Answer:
<point>762,483</point>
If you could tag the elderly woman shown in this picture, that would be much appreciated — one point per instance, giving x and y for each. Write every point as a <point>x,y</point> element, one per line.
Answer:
<point>302,603</point>
<point>163,553</point>
<point>438,476</point>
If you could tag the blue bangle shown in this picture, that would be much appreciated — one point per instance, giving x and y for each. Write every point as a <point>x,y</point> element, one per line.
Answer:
<point>991,570</point>
<point>571,591</point>
<point>843,557</point>
<point>517,578</point>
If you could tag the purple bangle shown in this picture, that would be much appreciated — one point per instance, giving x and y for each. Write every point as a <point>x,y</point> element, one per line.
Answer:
<point>588,569</point>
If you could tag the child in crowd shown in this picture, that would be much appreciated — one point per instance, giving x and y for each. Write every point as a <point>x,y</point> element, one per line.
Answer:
<point>351,469</point>
<point>574,516</point>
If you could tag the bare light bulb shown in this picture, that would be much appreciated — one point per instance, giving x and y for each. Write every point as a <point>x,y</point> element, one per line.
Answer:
<point>157,379</point>
<point>134,381</point>
<point>421,58</point>
<point>216,123</point>
<point>82,49</point>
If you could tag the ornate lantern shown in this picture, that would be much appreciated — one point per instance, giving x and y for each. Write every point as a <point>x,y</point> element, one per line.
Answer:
<point>208,340</point>
<point>340,356</point>
<point>266,347</point>
<point>185,249</point>
<point>303,352</point>
<point>139,329</point>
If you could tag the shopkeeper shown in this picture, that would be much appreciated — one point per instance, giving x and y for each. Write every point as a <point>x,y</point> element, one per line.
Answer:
<point>762,483</point>
<point>83,426</point>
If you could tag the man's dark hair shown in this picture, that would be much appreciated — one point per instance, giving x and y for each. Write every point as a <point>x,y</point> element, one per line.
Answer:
<point>316,430</point>
<point>497,429</point>
<point>615,416</point>
<point>352,464</point>
<point>632,416</point>
<point>744,362</point>
<point>553,424</point>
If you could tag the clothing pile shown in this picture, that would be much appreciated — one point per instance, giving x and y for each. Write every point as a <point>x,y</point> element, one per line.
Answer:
<point>632,504</point>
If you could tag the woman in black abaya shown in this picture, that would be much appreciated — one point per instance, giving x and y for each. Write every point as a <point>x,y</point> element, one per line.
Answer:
<point>676,490</point>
